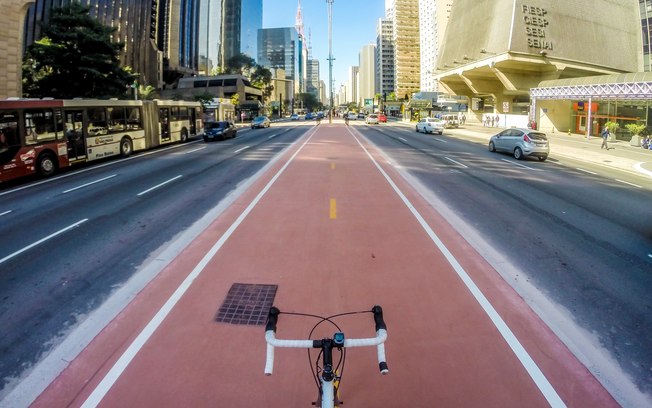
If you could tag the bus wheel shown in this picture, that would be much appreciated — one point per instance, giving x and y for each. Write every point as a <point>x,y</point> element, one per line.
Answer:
<point>184,135</point>
<point>46,165</point>
<point>126,147</point>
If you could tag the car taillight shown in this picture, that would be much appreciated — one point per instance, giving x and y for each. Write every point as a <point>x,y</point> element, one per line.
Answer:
<point>526,139</point>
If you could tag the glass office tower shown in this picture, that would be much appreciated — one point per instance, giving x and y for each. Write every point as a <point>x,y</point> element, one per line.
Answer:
<point>241,21</point>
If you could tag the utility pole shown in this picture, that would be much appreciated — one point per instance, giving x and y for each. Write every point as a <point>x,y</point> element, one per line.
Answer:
<point>330,57</point>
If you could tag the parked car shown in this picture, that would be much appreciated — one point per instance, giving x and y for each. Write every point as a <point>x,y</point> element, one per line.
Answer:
<point>310,116</point>
<point>360,115</point>
<point>294,116</point>
<point>351,116</point>
<point>382,118</point>
<point>260,122</point>
<point>431,125</point>
<point>521,143</point>
<point>450,121</point>
<point>219,130</point>
<point>372,119</point>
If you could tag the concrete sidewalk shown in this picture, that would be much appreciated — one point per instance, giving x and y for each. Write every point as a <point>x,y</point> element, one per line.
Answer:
<point>621,155</point>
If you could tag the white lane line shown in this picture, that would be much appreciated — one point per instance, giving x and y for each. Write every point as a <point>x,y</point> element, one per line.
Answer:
<point>159,185</point>
<point>89,184</point>
<point>639,167</point>
<point>526,361</point>
<point>5,213</point>
<point>520,165</point>
<point>125,359</point>
<point>271,137</point>
<point>628,183</point>
<point>42,240</point>
<point>586,171</point>
<point>440,140</point>
<point>456,162</point>
<point>241,149</point>
<point>649,255</point>
<point>194,150</point>
<point>402,139</point>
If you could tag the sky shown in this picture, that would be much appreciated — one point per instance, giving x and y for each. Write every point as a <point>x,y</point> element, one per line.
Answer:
<point>354,25</point>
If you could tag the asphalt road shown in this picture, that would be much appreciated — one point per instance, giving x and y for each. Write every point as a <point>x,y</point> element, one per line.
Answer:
<point>69,242</point>
<point>576,244</point>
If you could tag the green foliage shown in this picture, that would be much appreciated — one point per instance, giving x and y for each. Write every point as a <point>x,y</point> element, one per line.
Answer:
<point>147,92</point>
<point>235,99</point>
<point>308,101</point>
<point>635,129</point>
<point>205,98</point>
<point>612,126</point>
<point>391,97</point>
<point>75,58</point>
<point>240,64</point>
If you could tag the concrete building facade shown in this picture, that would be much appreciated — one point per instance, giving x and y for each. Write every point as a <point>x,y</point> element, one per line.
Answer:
<point>384,57</point>
<point>433,19</point>
<point>367,74</point>
<point>516,44</point>
<point>11,47</point>
<point>407,55</point>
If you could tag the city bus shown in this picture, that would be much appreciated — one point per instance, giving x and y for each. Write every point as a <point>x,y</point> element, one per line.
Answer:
<point>41,136</point>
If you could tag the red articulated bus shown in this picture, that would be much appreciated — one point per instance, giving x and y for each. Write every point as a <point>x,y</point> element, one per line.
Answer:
<point>41,136</point>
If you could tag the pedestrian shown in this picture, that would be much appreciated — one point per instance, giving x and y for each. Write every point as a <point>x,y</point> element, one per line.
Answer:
<point>605,136</point>
<point>645,143</point>
<point>497,120</point>
<point>492,121</point>
<point>463,118</point>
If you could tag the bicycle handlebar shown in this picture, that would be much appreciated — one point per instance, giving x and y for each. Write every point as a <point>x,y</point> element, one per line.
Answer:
<point>272,341</point>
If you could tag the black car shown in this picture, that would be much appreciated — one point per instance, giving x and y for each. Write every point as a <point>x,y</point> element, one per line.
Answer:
<point>219,130</point>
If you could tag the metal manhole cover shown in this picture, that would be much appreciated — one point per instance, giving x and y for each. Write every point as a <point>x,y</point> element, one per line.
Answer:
<point>247,304</point>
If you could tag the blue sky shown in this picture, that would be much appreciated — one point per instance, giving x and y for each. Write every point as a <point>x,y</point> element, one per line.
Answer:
<point>354,25</point>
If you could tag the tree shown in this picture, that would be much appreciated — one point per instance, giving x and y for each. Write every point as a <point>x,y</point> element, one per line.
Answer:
<point>307,100</point>
<point>240,64</point>
<point>261,77</point>
<point>75,58</point>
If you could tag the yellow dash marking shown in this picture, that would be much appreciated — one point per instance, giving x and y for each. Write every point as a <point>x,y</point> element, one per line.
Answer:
<point>333,209</point>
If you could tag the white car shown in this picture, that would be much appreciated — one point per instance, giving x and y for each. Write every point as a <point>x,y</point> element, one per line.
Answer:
<point>351,116</point>
<point>294,116</point>
<point>371,119</point>
<point>431,125</point>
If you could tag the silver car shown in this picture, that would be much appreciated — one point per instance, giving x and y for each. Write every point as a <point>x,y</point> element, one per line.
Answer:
<point>431,125</point>
<point>521,143</point>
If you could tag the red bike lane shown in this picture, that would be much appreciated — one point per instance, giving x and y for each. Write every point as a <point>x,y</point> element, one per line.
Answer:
<point>326,227</point>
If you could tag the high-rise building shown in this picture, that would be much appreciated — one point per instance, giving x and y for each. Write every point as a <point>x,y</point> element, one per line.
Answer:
<point>433,18</point>
<point>160,36</point>
<point>351,92</point>
<point>646,19</point>
<point>384,57</point>
<point>367,74</point>
<point>241,20</point>
<point>210,40</point>
<point>405,17</point>
<point>277,48</point>
<point>312,77</point>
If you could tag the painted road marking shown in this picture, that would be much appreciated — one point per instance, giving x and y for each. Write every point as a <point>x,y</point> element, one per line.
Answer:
<point>241,149</point>
<point>194,150</point>
<point>628,183</point>
<point>333,209</point>
<point>402,139</point>
<point>5,213</point>
<point>130,353</point>
<point>586,171</point>
<point>89,184</point>
<point>456,162</point>
<point>332,166</point>
<point>520,165</point>
<point>519,351</point>
<point>42,240</point>
<point>159,185</point>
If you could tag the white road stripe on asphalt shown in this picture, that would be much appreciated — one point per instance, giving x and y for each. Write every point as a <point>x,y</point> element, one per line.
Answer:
<point>42,240</point>
<point>159,185</point>
<point>5,213</point>
<point>89,184</point>
<point>456,162</point>
<point>586,171</point>
<point>628,183</point>
<point>241,149</point>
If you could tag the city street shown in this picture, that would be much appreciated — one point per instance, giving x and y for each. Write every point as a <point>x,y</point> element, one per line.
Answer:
<point>541,240</point>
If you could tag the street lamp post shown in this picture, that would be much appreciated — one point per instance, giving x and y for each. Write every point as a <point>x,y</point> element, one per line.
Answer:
<point>330,57</point>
